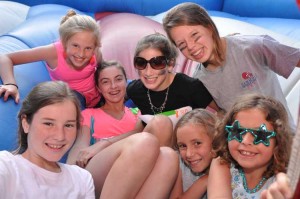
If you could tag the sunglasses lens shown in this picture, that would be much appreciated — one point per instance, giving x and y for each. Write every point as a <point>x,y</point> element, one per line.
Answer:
<point>158,62</point>
<point>140,63</point>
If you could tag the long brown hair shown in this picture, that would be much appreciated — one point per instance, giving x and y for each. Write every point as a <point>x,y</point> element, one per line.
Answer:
<point>192,14</point>
<point>42,95</point>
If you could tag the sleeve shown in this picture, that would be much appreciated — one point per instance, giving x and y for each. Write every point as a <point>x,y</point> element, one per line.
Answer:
<point>7,176</point>
<point>90,193</point>
<point>86,117</point>
<point>280,58</point>
<point>201,96</point>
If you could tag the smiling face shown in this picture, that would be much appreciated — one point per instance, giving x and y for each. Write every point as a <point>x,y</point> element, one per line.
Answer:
<point>112,84</point>
<point>51,133</point>
<point>194,146</point>
<point>195,42</point>
<point>79,49</point>
<point>153,79</point>
<point>247,154</point>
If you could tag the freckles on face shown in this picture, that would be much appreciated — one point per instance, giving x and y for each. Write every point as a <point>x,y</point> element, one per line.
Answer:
<point>194,146</point>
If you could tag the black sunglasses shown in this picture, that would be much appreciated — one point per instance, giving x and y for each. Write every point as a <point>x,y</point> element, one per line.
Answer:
<point>156,63</point>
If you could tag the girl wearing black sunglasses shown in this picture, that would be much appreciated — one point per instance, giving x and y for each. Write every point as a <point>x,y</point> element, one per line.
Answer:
<point>160,91</point>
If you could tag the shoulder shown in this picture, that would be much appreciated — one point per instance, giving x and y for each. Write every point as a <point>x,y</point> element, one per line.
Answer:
<point>8,164</point>
<point>185,79</point>
<point>134,86</point>
<point>6,156</point>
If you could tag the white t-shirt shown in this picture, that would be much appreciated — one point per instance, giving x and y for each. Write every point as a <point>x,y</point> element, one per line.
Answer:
<point>20,178</point>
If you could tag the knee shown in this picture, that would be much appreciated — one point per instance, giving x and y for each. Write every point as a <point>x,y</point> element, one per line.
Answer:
<point>170,160</point>
<point>169,155</point>
<point>145,144</point>
<point>162,122</point>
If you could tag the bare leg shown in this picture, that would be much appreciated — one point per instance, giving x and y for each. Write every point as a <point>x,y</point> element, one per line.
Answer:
<point>120,170</point>
<point>163,176</point>
<point>161,126</point>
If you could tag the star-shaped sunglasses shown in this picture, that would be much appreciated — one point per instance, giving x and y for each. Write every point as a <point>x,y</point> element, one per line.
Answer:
<point>261,135</point>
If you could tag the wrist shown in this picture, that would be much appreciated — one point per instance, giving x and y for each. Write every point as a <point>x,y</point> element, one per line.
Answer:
<point>12,84</point>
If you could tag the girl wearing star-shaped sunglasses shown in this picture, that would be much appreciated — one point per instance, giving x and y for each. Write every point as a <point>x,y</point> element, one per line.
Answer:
<point>252,145</point>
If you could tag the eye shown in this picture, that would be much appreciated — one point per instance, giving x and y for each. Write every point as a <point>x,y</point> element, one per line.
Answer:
<point>197,143</point>
<point>120,79</point>
<point>181,146</point>
<point>75,45</point>
<point>70,125</point>
<point>104,82</point>
<point>48,123</point>
<point>181,47</point>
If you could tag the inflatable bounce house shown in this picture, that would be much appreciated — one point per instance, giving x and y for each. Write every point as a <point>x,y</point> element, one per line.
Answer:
<point>30,23</point>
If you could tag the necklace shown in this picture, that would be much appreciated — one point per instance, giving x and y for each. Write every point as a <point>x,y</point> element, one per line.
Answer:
<point>155,109</point>
<point>256,188</point>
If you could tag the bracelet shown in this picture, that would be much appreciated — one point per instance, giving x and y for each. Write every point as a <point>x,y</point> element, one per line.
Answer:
<point>106,139</point>
<point>12,85</point>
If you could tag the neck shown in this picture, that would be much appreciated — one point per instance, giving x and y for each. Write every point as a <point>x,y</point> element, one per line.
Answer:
<point>41,162</point>
<point>252,181</point>
<point>114,110</point>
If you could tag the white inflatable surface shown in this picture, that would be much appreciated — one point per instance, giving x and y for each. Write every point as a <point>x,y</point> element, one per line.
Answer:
<point>11,15</point>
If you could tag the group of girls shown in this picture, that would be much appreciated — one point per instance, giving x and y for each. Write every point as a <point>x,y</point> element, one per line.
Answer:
<point>248,148</point>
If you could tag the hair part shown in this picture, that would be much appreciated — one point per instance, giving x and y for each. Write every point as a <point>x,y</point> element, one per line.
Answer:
<point>275,114</point>
<point>73,23</point>
<point>159,42</point>
<point>42,95</point>
<point>199,117</point>
<point>192,14</point>
<point>107,64</point>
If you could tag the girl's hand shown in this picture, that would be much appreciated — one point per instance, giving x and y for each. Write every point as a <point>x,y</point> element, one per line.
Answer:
<point>86,154</point>
<point>279,189</point>
<point>9,90</point>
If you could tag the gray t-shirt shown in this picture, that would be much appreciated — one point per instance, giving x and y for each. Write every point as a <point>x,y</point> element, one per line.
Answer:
<point>188,177</point>
<point>252,63</point>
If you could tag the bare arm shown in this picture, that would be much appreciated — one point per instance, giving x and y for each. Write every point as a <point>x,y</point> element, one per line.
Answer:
<point>213,105</point>
<point>177,189</point>
<point>7,61</point>
<point>139,127</point>
<point>219,181</point>
<point>196,191</point>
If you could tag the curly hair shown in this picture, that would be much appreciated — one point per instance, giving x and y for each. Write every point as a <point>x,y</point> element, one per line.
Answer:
<point>275,114</point>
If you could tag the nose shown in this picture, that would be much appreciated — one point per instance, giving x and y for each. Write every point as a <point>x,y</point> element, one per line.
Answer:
<point>60,134</point>
<point>190,43</point>
<point>148,69</point>
<point>113,84</point>
<point>189,152</point>
<point>248,139</point>
<point>80,52</point>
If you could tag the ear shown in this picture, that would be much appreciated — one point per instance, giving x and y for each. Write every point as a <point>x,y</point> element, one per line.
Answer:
<point>171,62</point>
<point>25,124</point>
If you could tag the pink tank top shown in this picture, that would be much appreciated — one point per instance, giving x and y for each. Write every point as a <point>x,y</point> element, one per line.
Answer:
<point>81,81</point>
